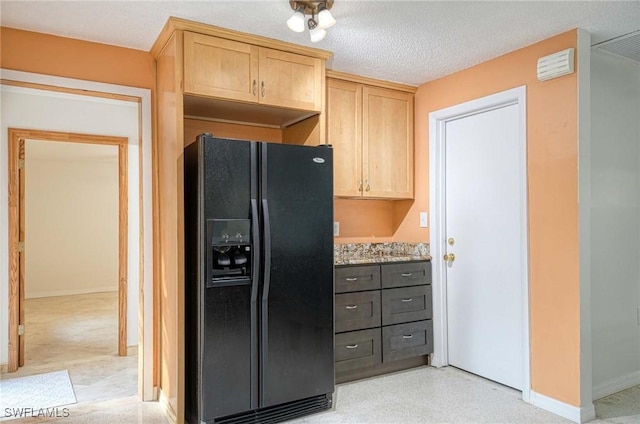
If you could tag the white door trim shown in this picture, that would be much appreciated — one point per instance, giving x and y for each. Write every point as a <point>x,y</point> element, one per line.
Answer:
<point>437,125</point>
<point>145,335</point>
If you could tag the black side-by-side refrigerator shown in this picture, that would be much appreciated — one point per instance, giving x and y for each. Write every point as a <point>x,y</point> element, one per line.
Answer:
<point>259,281</point>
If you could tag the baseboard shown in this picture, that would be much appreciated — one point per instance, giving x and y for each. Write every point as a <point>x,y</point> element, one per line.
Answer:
<point>4,368</point>
<point>71,292</point>
<point>132,350</point>
<point>570,412</point>
<point>166,407</point>
<point>616,385</point>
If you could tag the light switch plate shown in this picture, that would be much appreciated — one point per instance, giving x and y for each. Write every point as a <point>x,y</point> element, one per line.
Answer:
<point>336,228</point>
<point>424,220</point>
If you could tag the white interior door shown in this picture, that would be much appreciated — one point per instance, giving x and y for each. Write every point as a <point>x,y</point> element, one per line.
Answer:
<point>484,207</point>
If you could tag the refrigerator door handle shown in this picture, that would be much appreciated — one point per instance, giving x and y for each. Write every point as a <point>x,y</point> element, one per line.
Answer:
<point>266,279</point>
<point>267,249</point>
<point>255,276</point>
<point>255,242</point>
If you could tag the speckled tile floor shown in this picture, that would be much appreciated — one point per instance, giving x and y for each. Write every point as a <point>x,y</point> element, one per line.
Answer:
<point>448,395</point>
<point>105,384</point>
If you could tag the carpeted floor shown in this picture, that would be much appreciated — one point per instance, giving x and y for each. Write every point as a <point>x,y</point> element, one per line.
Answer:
<point>79,334</point>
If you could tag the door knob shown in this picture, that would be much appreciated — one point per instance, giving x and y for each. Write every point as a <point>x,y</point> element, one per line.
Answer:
<point>450,257</point>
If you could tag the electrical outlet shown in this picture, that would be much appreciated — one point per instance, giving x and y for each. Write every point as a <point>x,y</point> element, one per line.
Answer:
<point>336,228</point>
<point>424,220</point>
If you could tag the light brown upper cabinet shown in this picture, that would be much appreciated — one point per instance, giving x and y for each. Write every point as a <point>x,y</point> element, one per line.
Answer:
<point>232,70</point>
<point>371,130</point>
<point>344,133</point>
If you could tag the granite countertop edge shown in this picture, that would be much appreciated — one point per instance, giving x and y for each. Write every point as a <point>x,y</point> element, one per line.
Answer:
<point>381,259</point>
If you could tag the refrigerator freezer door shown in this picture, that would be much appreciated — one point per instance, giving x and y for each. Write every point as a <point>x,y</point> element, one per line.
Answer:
<point>297,297</point>
<point>229,336</point>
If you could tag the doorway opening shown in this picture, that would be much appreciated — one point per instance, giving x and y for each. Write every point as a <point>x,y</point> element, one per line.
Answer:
<point>42,101</point>
<point>68,212</point>
<point>17,231</point>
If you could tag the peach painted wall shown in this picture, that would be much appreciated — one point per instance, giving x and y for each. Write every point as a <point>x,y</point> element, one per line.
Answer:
<point>67,57</point>
<point>553,199</point>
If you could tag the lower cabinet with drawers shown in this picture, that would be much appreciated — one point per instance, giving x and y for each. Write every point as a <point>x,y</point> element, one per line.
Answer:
<point>383,318</point>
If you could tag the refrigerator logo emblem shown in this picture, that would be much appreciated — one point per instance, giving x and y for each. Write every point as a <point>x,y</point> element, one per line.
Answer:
<point>318,160</point>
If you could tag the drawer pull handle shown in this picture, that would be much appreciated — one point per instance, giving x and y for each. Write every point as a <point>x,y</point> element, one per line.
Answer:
<point>351,346</point>
<point>406,274</point>
<point>408,336</point>
<point>407,300</point>
<point>351,307</point>
<point>352,279</point>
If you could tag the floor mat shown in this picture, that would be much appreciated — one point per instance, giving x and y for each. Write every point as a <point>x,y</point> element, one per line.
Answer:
<point>35,395</point>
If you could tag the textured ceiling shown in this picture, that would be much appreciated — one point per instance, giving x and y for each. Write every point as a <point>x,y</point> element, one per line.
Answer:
<point>405,41</point>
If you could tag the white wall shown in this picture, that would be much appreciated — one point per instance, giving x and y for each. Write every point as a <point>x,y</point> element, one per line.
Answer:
<point>71,212</point>
<point>615,222</point>
<point>46,110</point>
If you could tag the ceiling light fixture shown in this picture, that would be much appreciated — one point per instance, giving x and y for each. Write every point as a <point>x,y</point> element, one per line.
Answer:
<point>320,18</point>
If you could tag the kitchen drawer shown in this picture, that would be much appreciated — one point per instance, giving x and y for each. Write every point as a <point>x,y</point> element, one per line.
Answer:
<point>357,278</point>
<point>357,311</point>
<point>357,349</point>
<point>407,340</point>
<point>406,274</point>
<point>406,304</point>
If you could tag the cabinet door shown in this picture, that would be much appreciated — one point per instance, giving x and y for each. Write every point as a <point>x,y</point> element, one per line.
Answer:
<point>357,311</point>
<point>290,80</point>
<point>406,304</point>
<point>405,274</point>
<point>357,349</point>
<point>387,133</point>
<point>220,68</point>
<point>357,278</point>
<point>407,340</point>
<point>344,133</point>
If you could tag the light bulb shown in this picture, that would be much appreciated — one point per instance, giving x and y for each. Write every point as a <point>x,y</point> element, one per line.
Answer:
<point>317,34</point>
<point>325,19</point>
<point>296,22</point>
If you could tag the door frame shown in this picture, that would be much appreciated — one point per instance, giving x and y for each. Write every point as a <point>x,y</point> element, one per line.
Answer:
<point>437,191</point>
<point>149,297</point>
<point>16,151</point>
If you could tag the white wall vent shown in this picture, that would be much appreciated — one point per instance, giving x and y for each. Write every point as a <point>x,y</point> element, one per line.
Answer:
<point>555,65</point>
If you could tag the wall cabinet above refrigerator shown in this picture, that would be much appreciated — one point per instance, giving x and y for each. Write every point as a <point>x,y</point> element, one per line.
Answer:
<point>232,70</point>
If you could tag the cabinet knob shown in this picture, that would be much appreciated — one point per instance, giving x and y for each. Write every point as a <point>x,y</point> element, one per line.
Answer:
<point>449,257</point>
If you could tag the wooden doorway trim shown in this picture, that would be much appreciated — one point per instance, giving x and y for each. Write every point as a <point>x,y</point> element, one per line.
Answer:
<point>16,141</point>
